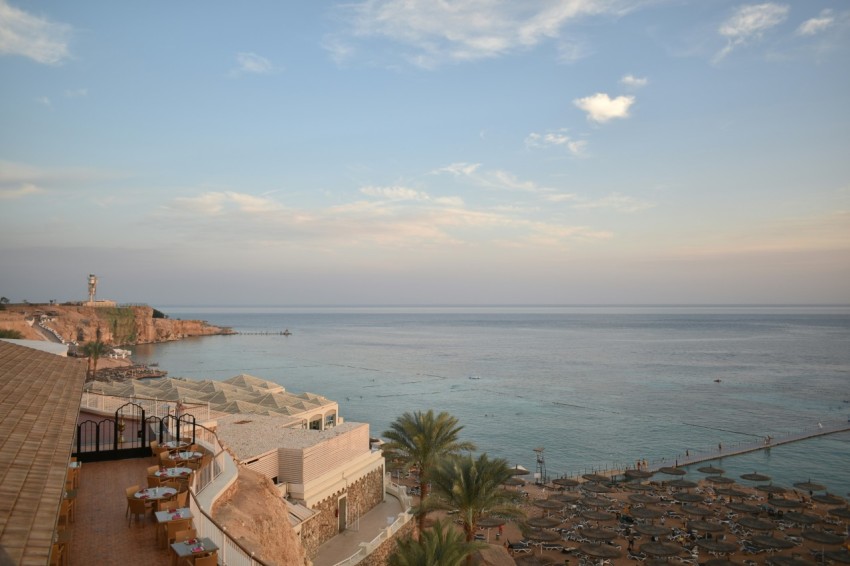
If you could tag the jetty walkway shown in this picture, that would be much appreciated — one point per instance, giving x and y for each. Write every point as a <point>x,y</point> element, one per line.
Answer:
<point>725,450</point>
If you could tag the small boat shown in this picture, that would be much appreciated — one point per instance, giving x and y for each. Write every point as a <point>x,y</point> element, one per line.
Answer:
<point>286,332</point>
<point>474,377</point>
<point>717,380</point>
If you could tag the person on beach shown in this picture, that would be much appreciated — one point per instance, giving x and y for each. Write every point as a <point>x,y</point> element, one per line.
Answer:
<point>719,447</point>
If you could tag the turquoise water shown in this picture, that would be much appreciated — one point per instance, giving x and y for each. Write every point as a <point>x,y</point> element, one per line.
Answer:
<point>595,387</point>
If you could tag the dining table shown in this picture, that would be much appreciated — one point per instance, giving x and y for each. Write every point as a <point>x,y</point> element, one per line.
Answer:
<point>176,472</point>
<point>187,455</point>
<point>193,547</point>
<point>174,444</point>
<point>155,493</point>
<point>165,517</point>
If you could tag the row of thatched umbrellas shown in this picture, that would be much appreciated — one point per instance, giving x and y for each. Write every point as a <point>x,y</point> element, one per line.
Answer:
<point>597,484</point>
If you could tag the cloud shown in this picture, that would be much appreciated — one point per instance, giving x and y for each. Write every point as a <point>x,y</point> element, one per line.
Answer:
<point>459,168</point>
<point>30,36</point>
<point>634,82</point>
<point>44,100</point>
<point>601,108</point>
<point>814,26</point>
<point>440,32</point>
<point>77,93</point>
<point>556,139</point>
<point>22,191</point>
<point>217,203</point>
<point>616,201</point>
<point>748,23</point>
<point>395,193</point>
<point>253,63</point>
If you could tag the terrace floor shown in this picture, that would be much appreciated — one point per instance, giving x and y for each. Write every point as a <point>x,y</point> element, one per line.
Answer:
<point>100,534</point>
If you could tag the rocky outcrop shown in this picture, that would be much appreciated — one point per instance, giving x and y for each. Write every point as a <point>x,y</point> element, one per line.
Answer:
<point>256,517</point>
<point>116,326</point>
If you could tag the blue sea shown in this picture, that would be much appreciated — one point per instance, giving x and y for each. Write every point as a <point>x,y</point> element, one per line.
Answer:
<point>595,387</point>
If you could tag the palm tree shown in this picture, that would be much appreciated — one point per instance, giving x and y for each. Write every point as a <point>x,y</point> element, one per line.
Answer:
<point>420,440</point>
<point>442,544</point>
<point>474,486</point>
<point>94,350</point>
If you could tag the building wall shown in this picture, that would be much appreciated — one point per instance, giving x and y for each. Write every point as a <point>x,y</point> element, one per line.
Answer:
<point>267,464</point>
<point>381,555</point>
<point>363,495</point>
<point>301,465</point>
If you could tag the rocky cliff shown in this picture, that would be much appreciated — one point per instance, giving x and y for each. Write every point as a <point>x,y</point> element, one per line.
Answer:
<point>116,326</point>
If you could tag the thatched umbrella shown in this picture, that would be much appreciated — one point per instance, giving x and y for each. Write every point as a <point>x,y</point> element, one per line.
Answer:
<point>600,550</point>
<point>595,515</point>
<point>598,478</point>
<point>643,498</point>
<point>672,471</point>
<point>488,522</point>
<point>731,492</point>
<point>714,545</point>
<point>519,471</point>
<point>721,562</point>
<point>842,512</point>
<point>542,522</point>
<point>652,530</point>
<point>594,502</point>
<point>711,470</point>
<point>637,486</point>
<point>810,486</point>
<point>770,488</point>
<point>783,503</point>
<point>696,510</point>
<point>821,537</point>
<point>682,484</point>
<point>706,526</point>
<point>787,561</point>
<point>514,481</point>
<point>594,487</point>
<point>756,524</point>
<point>638,474</point>
<point>765,541</point>
<point>842,556</point>
<point>565,482</point>
<point>547,504</point>
<point>565,497</point>
<point>743,507</point>
<point>829,499</point>
<point>720,480</point>
<point>662,549</point>
<point>755,477</point>
<point>688,497</point>
<point>646,513</point>
<point>598,534</point>
<point>801,518</point>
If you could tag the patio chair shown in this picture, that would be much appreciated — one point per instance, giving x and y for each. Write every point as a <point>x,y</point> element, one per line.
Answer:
<point>154,481</point>
<point>138,508</point>
<point>130,491</point>
<point>210,559</point>
<point>173,527</point>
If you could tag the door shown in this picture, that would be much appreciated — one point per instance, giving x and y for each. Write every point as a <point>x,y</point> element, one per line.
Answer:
<point>342,510</point>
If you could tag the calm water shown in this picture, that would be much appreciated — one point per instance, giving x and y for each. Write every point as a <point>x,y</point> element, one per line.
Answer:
<point>593,386</point>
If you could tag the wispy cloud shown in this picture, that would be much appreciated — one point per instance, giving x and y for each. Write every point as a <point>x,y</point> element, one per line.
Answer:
<point>498,179</point>
<point>44,101</point>
<point>24,190</point>
<point>633,82</point>
<point>77,93</point>
<point>616,201</point>
<point>440,32</point>
<point>218,203</point>
<point>814,26</point>
<point>395,193</point>
<point>749,23</point>
<point>602,108</point>
<point>253,63</point>
<point>31,36</point>
<point>557,140</point>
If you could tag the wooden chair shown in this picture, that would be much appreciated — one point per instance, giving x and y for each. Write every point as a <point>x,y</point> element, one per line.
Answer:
<point>181,536</point>
<point>182,499</point>
<point>73,477</point>
<point>57,555</point>
<point>172,483</point>
<point>130,491</point>
<point>152,470</point>
<point>155,448</point>
<point>167,504</point>
<point>72,506</point>
<point>154,481</point>
<point>210,559</point>
<point>173,527</point>
<point>64,514</point>
<point>138,508</point>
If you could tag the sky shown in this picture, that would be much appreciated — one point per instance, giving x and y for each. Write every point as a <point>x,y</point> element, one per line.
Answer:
<point>426,152</point>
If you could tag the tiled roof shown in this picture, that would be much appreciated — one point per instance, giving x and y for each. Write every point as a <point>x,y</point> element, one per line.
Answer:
<point>39,402</point>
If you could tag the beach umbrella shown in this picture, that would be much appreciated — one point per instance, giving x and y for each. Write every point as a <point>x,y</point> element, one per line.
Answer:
<point>828,499</point>
<point>783,503</point>
<point>598,534</point>
<point>810,486</point>
<point>842,556</point>
<point>646,513</point>
<point>599,550</point>
<point>821,537</point>
<point>594,502</point>
<point>541,535</point>
<point>514,481</point>
<point>743,507</point>
<point>488,522</point>
<point>696,510</point>
<point>535,561</point>
<point>682,484</point>
<point>706,526</point>
<point>770,488</point>
<point>731,492</point>
<point>565,497</point>
<point>519,471</point>
<point>652,530</point>
<point>842,512</point>
<point>636,486</point>
<point>711,470</point>
<point>643,498</point>
<point>547,504</point>
<point>688,497</point>
<point>765,541</point>
<point>565,482</point>
<point>721,562</point>
<point>787,561</point>
<point>672,471</point>
<point>714,545</point>
<point>756,524</point>
<point>755,477</point>
<point>661,549</point>
<point>594,487</point>
<point>542,522</point>
<point>638,474</point>
<point>597,478</point>
<point>720,479</point>
<point>801,518</point>
<point>594,515</point>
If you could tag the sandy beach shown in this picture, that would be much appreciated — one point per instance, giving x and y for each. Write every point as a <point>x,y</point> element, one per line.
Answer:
<point>752,522</point>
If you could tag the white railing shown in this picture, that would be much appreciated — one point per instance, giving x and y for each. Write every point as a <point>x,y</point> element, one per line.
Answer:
<point>367,548</point>
<point>107,404</point>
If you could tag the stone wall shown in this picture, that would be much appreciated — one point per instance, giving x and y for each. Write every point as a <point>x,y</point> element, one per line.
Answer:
<point>364,494</point>
<point>381,555</point>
